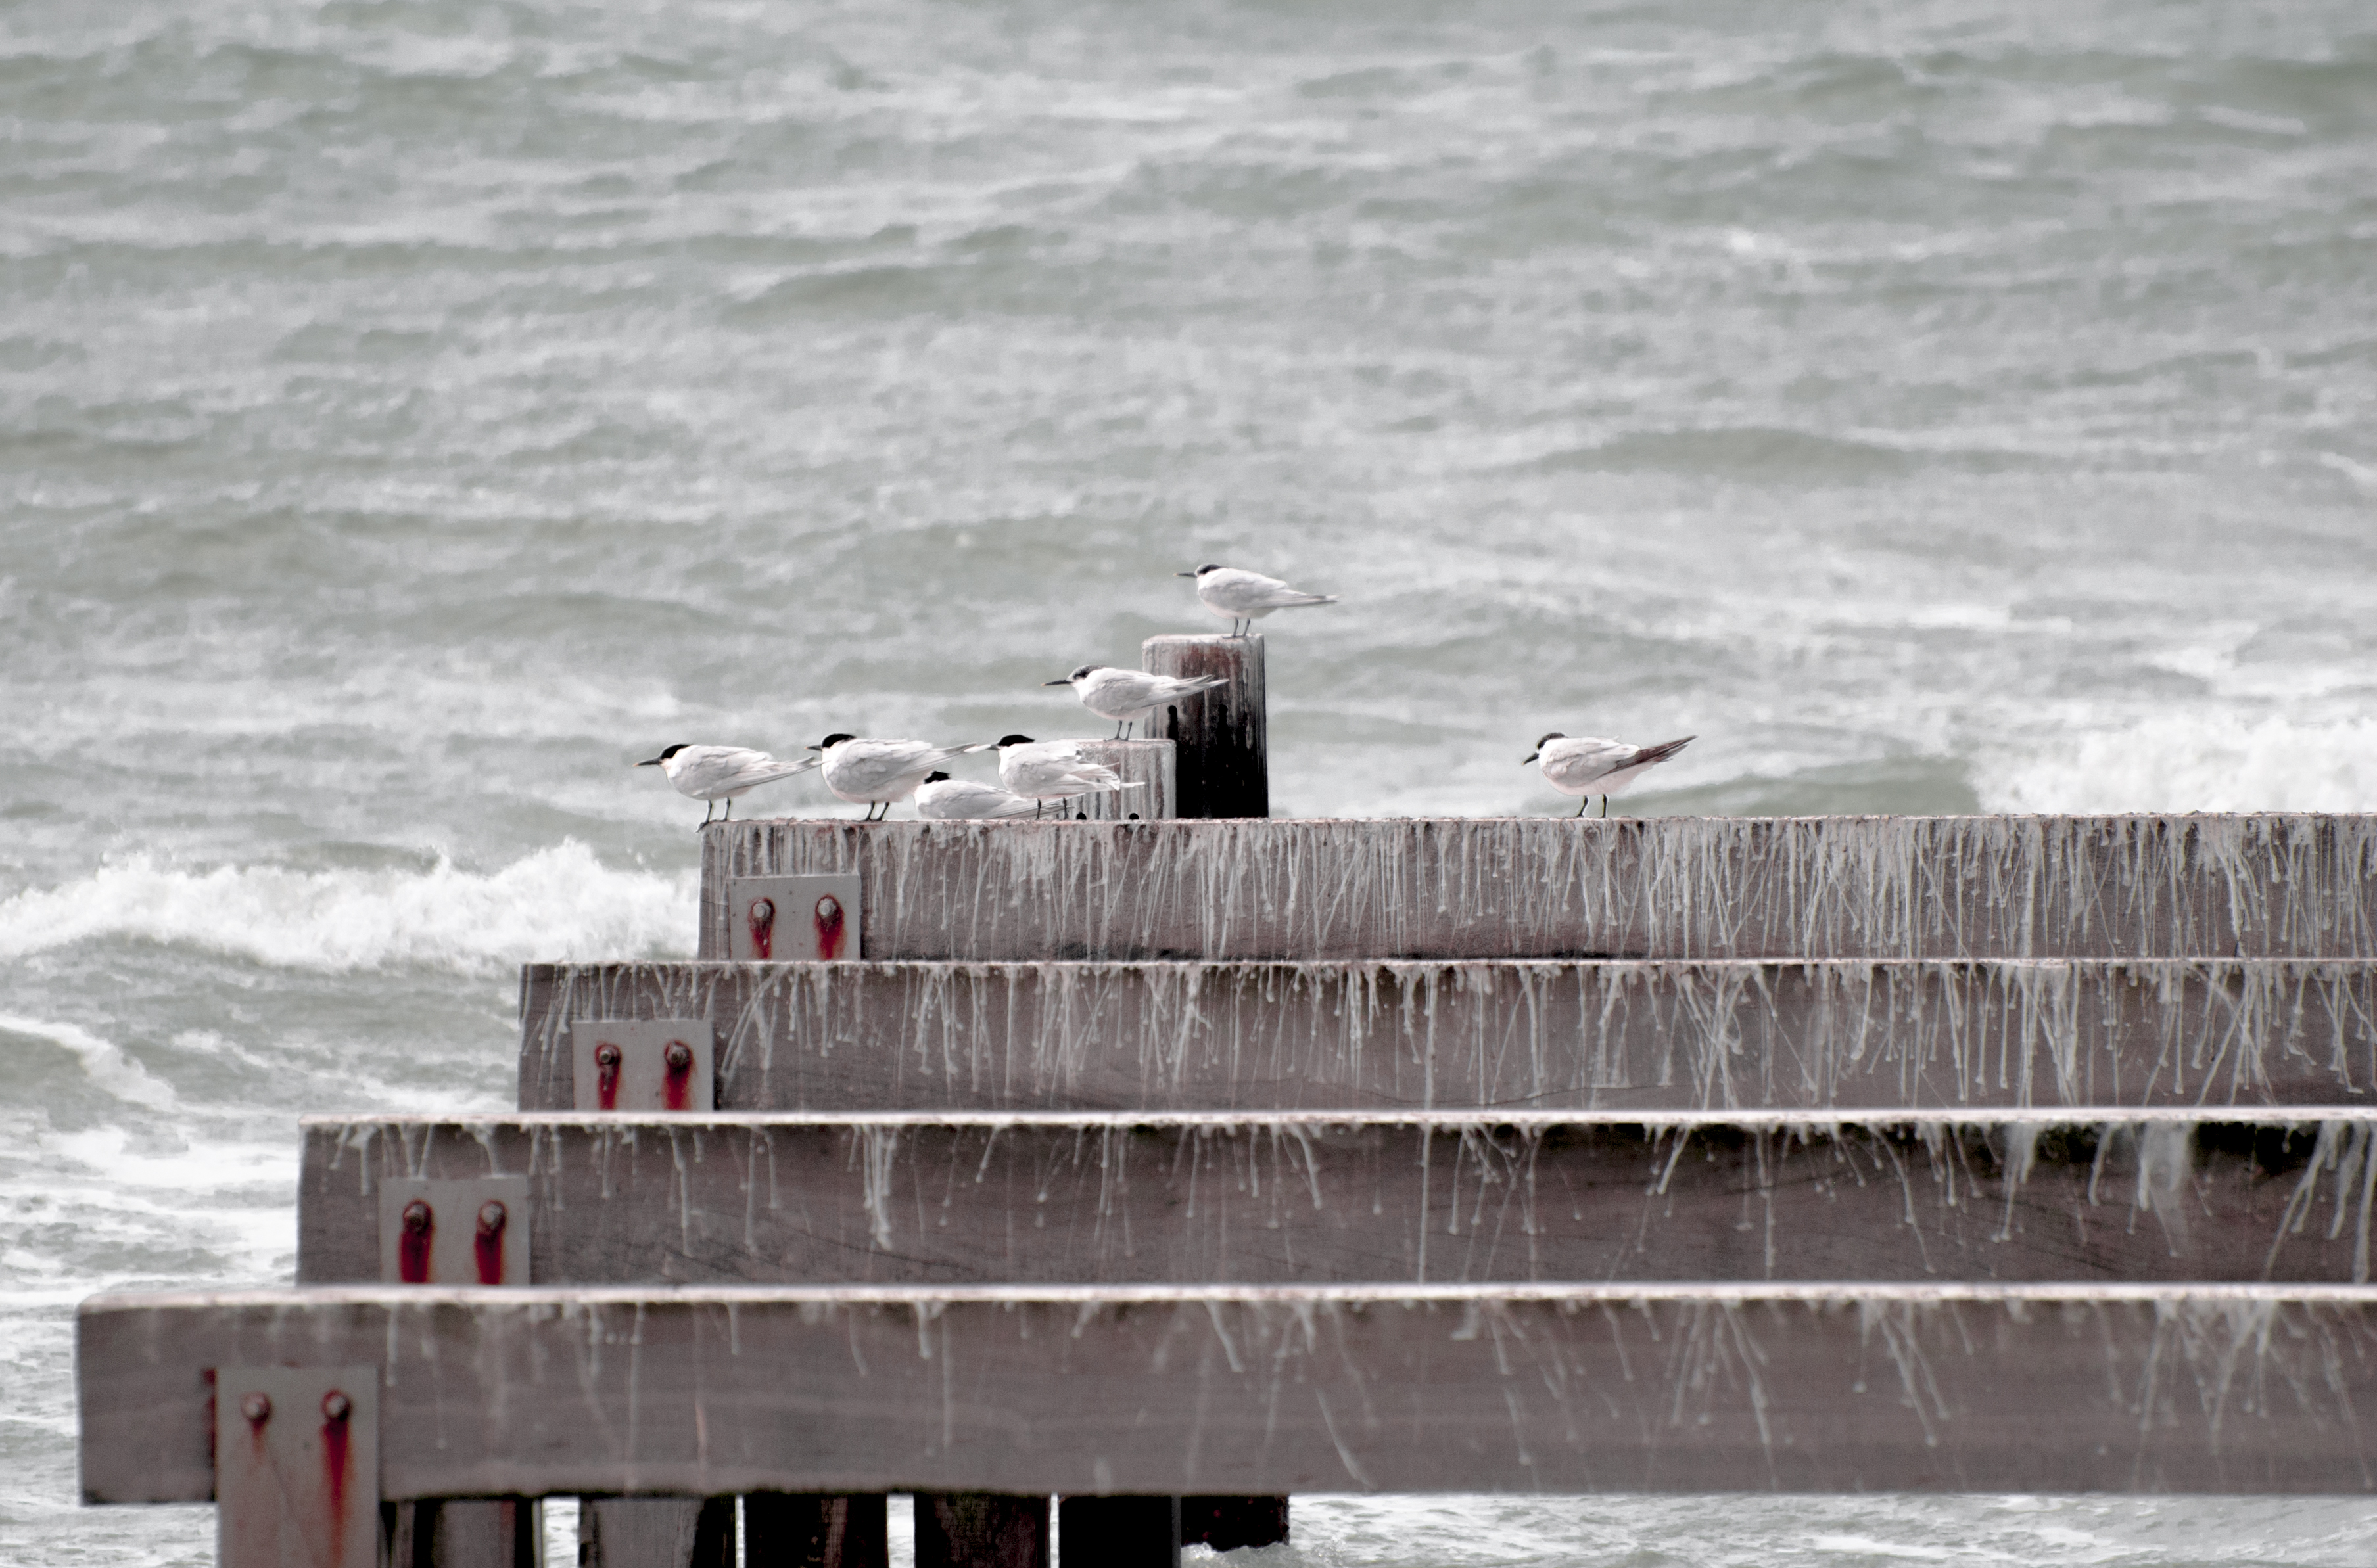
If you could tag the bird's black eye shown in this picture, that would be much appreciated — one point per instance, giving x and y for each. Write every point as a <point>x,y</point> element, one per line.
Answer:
<point>1208,567</point>
<point>1084,669</point>
<point>673,750</point>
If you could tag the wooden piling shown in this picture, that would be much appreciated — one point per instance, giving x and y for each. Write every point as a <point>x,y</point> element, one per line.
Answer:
<point>656,1532</point>
<point>1224,769</point>
<point>980,1529</point>
<point>463,1533</point>
<point>812,1530</point>
<point>1120,1532</point>
<point>1228,1522</point>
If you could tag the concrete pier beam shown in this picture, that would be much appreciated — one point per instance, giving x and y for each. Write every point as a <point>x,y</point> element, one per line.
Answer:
<point>1240,1390</point>
<point>1535,1035</point>
<point>1144,1198</point>
<point>2297,886</point>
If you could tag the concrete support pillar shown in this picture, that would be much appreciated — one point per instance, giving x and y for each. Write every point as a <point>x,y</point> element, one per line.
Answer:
<point>1148,764</point>
<point>980,1529</point>
<point>1221,735</point>
<point>656,1532</point>
<point>1228,1522</point>
<point>1119,1532</point>
<point>816,1530</point>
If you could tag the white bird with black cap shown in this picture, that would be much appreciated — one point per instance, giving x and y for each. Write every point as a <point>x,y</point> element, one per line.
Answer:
<point>1128,696</point>
<point>712,773</point>
<point>876,773</point>
<point>943,799</point>
<point>1053,770</point>
<point>1241,596</point>
<point>1586,765</point>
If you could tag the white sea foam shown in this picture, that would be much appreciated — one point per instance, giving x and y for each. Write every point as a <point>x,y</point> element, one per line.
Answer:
<point>102,1060</point>
<point>2214,762</point>
<point>558,903</point>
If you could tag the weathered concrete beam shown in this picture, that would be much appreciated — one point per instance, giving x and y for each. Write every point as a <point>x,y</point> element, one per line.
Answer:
<point>1555,887</point>
<point>2237,1389</point>
<point>1543,1035</point>
<point>1195,1199</point>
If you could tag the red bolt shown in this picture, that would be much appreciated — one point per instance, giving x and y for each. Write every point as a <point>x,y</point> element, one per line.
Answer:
<point>492,1217</point>
<point>337,1406</point>
<point>256,1408</point>
<point>606,1076</point>
<point>679,1056</point>
<point>412,1247</point>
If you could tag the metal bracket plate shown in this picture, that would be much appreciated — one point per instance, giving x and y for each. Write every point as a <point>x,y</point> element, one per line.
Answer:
<point>297,1467</point>
<point>642,1064</point>
<point>465,1233</point>
<point>786,919</point>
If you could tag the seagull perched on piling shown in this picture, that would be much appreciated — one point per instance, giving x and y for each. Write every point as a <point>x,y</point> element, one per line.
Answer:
<point>1236,595</point>
<point>711,774</point>
<point>1585,765</point>
<point>1128,695</point>
<point>1053,770</point>
<point>876,773</point>
<point>943,799</point>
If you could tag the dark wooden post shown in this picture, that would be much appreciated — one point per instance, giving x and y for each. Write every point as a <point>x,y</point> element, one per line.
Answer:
<point>1119,1532</point>
<point>1228,1522</point>
<point>981,1529</point>
<point>656,1532</point>
<point>1220,768</point>
<point>786,1530</point>
<point>463,1533</point>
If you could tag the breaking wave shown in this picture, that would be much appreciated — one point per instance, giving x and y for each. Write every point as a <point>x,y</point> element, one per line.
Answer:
<point>2208,763</point>
<point>558,903</point>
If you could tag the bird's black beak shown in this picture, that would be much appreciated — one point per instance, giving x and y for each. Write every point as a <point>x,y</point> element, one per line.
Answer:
<point>1183,574</point>
<point>1529,757</point>
<point>649,762</point>
<point>1055,682</point>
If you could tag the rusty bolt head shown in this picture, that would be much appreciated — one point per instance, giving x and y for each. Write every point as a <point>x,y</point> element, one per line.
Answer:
<point>492,1217</point>
<point>763,910</point>
<point>829,908</point>
<point>256,1408</point>
<point>679,1056</point>
<point>337,1407</point>
<point>606,1056</point>
<point>416,1216</point>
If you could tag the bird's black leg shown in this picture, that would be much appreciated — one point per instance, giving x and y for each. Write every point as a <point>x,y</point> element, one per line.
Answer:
<point>730,811</point>
<point>1582,804</point>
<point>1605,808</point>
<point>707,807</point>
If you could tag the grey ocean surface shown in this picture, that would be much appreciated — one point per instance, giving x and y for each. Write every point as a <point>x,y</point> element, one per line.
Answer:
<point>413,414</point>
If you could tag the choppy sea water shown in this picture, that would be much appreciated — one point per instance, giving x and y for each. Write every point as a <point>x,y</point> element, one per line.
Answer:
<point>411,413</point>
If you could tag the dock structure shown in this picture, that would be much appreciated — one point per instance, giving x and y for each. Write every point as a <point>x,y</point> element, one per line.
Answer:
<point>1170,1168</point>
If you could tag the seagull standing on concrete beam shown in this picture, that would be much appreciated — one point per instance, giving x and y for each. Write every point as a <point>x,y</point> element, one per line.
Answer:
<point>712,773</point>
<point>876,773</point>
<point>1584,765</point>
